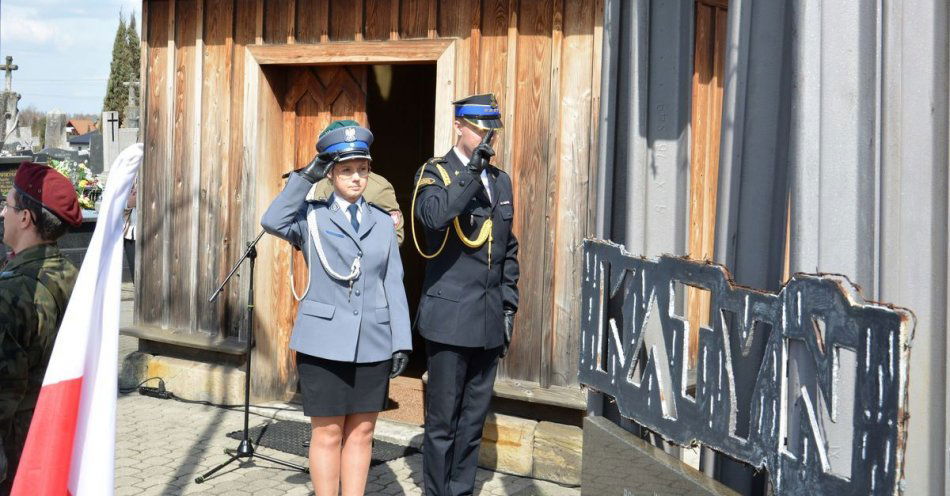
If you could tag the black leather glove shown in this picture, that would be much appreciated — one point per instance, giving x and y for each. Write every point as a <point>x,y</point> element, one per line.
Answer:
<point>509,328</point>
<point>400,360</point>
<point>318,168</point>
<point>482,154</point>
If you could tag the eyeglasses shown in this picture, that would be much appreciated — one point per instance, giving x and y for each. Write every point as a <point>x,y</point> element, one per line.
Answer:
<point>347,172</point>
<point>4,204</point>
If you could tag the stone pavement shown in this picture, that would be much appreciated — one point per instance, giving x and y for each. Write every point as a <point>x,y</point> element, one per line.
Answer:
<point>162,445</point>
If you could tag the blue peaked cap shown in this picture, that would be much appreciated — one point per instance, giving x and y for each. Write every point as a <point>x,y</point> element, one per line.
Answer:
<point>479,110</point>
<point>346,138</point>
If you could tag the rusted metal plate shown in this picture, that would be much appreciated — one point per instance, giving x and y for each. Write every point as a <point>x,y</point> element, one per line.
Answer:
<point>848,361</point>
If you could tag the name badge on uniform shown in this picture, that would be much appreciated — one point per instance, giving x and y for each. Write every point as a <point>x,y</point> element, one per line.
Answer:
<point>334,233</point>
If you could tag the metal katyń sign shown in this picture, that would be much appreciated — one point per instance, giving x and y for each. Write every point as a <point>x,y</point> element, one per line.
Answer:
<point>809,384</point>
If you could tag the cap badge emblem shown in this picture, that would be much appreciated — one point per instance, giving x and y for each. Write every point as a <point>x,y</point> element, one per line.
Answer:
<point>349,134</point>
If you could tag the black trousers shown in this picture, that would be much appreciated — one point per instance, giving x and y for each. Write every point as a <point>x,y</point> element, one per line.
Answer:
<point>457,398</point>
<point>128,246</point>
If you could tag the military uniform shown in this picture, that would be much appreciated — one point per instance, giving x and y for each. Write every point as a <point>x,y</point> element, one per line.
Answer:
<point>379,192</point>
<point>34,290</point>
<point>470,283</point>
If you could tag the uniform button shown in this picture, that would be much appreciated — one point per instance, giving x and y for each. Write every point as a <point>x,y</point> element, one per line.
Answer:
<point>440,291</point>
<point>359,254</point>
<point>357,292</point>
<point>356,312</point>
<point>462,182</point>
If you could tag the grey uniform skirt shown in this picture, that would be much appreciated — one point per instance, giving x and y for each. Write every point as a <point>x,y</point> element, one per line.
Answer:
<point>330,388</point>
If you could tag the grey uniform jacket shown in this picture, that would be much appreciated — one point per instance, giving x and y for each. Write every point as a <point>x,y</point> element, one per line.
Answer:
<point>366,323</point>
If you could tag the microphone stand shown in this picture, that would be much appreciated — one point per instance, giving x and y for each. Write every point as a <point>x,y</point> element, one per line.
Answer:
<point>245,449</point>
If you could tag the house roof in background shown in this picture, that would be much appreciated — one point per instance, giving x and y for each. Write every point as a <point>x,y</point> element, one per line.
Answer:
<point>82,126</point>
<point>82,139</point>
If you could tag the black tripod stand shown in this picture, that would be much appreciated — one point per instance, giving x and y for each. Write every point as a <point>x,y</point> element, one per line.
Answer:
<point>246,449</point>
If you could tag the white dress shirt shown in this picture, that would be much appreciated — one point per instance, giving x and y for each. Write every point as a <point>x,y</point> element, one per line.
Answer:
<point>345,205</point>
<point>484,176</point>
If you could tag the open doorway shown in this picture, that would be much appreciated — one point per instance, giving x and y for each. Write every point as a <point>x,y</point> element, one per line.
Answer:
<point>400,105</point>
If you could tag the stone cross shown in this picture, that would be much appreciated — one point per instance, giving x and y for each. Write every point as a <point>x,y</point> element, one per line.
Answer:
<point>110,139</point>
<point>9,68</point>
<point>112,120</point>
<point>132,111</point>
<point>133,93</point>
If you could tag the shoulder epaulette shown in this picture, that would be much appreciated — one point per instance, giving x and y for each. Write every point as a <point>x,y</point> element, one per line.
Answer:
<point>437,163</point>
<point>381,209</point>
<point>319,201</point>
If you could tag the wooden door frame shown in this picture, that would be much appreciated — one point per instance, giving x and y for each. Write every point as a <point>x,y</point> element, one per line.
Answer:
<point>258,92</point>
<point>263,160</point>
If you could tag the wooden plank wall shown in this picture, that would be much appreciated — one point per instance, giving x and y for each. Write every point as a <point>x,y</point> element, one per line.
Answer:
<point>540,58</point>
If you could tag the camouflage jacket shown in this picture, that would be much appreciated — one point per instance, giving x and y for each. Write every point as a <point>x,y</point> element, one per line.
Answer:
<point>34,289</point>
<point>379,191</point>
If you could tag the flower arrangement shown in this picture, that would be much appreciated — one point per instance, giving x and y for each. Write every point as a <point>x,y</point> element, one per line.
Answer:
<point>88,185</point>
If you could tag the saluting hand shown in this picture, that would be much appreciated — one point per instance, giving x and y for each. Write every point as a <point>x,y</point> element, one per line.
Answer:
<point>319,167</point>
<point>400,360</point>
<point>482,154</point>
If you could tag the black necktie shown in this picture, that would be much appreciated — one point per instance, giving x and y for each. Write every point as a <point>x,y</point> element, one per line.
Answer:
<point>353,219</point>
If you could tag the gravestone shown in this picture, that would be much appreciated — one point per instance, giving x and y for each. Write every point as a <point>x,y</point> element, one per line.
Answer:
<point>95,153</point>
<point>46,154</point>
<point>8,167</point>
<point>8,103</point>
<point>132,110</point>
<point>56,130</point>
<point>110,139</point>
<point>128,136</point>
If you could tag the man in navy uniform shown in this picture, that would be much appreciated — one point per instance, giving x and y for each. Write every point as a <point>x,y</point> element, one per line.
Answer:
<point>470,294</point>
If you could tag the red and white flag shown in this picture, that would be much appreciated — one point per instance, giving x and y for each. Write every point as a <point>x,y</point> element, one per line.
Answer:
<point>70,448</point>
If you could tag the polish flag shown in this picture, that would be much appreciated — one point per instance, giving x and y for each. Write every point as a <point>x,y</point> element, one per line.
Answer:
<point>70,448</point>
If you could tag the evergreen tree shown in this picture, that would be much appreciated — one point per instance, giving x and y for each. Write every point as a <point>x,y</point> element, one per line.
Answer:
<point>134,47</point>
<point>117,95</point>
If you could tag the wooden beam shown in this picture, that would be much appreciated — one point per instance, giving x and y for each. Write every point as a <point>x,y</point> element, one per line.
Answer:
<point>444,94</point>
<point>240,226</point>
<point>199,341</point>
<point>554,201</point>
<point>151,245</point>
<point>378,19</point>
<point>571,155</point>
<point>366,52</point>
<point>511,82</point>
<point>413,19</point>
<point>143,122</point>
<point>215,162</point>
<point>170,151</point>
<point>530,182</point>
<point>259,22</point>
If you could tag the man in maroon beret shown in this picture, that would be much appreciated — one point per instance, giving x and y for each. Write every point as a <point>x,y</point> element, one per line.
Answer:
<point>35,285</point>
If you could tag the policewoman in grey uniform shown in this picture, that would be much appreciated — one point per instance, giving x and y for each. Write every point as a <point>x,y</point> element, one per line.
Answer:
<point>352,329</point>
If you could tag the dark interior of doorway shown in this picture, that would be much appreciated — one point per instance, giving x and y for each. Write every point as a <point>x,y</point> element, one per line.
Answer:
<point>400,108</point>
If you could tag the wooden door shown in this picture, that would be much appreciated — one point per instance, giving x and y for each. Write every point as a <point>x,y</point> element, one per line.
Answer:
<point>313,98</point>
<point>706,123</point>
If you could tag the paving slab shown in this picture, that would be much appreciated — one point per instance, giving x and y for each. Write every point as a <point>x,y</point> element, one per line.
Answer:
<point>162,445</point>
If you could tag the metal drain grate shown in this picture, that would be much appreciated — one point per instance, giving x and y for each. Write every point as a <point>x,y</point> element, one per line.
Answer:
<point>290,437</point>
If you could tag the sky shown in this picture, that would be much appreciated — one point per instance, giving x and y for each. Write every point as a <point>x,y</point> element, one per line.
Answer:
<point>63,49</point>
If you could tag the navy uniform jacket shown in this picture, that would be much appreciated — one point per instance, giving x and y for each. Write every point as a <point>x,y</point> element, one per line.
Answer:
<point>463,300</point>
<point>366,324</point>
